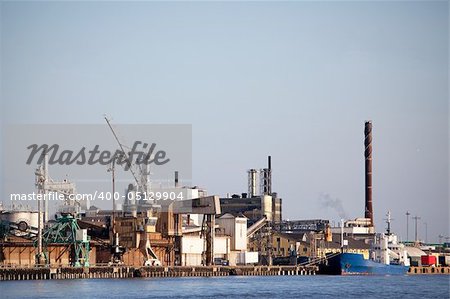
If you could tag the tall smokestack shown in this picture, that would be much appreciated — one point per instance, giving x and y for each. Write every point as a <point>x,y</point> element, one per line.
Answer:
<point>176,179</point>
<point>269,165</point>
<point>252,183</point>
<point>266,178</point>
<point>368,159</point>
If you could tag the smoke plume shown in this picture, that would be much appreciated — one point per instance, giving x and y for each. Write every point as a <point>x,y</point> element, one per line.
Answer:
<point>334,203</point>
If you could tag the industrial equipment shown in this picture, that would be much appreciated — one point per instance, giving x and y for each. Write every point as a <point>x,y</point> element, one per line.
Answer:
<point>132,207</point>
<point>66,231</point>
<point>209,207</point>
<point>45,185</point>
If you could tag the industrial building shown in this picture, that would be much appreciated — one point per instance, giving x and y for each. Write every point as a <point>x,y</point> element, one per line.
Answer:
<point>193,247</point>
<point>253,208</point>
<point>258,202</point>
<point>288,244</point>
<point>199,230</point>
<point>230,242</point>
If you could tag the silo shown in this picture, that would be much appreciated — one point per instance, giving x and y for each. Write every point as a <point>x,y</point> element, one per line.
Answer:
<point>266,207</point>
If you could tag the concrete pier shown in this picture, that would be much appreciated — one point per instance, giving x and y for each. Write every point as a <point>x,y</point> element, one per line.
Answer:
<point>429,270</point>
<point>9,273</point>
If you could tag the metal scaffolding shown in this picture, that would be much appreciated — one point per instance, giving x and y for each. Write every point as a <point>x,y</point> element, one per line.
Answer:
<point>66,231</point>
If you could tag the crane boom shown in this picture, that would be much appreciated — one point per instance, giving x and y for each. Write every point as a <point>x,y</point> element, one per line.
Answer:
<point>127,160</point>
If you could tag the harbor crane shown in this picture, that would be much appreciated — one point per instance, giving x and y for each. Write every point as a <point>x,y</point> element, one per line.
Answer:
<point>66,230</point>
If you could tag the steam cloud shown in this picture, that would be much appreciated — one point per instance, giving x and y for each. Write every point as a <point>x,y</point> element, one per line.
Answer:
<point>335,203</point>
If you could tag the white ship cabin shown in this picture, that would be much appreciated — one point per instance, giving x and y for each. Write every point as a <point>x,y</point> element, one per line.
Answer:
<point>387,250</point>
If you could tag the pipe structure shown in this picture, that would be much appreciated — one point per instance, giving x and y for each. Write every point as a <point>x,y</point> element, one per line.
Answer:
<point>368,170</point>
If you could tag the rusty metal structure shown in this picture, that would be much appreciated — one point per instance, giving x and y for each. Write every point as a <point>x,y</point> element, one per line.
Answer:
<point>368,170</point>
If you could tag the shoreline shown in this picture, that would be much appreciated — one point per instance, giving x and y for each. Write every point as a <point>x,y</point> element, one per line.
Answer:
<point>36,273</point>
<point>105,272</point>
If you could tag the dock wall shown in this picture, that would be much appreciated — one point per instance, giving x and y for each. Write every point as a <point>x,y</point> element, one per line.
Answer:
<point>130,272</point>
<point>429,270</point>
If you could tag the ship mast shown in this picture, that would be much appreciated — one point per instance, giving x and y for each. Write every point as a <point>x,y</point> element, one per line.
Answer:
<point>388,221</point>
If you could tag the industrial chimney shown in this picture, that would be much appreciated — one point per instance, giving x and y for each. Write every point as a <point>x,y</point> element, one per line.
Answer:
<point>269,184</point>
<point>368,167</point>
<point>252,173</point>
<point>266,178</point>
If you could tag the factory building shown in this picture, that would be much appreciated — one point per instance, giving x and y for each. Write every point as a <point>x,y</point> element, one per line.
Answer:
<point>193,247</point>
<point>285,245</point>
<point>144,230</point>
<point>253,208</point>
<point>255,204</point>
<point>162,231</point>
<point>236,228</point>
<point>230,242</point>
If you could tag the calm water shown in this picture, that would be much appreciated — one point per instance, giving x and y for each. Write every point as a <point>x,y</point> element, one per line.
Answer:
<point>237,286</point>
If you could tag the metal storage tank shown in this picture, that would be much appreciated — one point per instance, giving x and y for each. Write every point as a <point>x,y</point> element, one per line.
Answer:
<point>21,223</point>
<point>266,207</point>
<point>236,228</point>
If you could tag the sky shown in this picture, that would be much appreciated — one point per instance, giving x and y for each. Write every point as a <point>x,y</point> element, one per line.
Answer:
<point>294,80</point>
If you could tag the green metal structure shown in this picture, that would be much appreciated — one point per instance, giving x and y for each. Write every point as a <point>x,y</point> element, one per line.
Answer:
<point>66,231</point>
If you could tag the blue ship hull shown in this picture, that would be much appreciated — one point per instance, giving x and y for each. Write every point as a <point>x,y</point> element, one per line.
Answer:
<point>355,264</point>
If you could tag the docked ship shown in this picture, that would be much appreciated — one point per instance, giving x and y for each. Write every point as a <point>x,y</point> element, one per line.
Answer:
<point>387,257</point>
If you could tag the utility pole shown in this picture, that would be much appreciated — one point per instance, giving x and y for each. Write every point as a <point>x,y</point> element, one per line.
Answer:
<point>114,235</point>
<point>415,235</point>
<point>407,225</point>
<point>113,174</point>
<point>44,185</point>
<point>41,183</point>
<point>40,224</point>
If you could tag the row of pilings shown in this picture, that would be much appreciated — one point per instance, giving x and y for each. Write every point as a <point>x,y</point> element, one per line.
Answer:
<point>130,272</point>
<point>414,270</point>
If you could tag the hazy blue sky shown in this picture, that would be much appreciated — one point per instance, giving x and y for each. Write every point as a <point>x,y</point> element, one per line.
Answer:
<point>292,79</point>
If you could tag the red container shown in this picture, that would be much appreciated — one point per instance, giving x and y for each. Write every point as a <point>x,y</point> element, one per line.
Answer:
<point>428,260</point>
